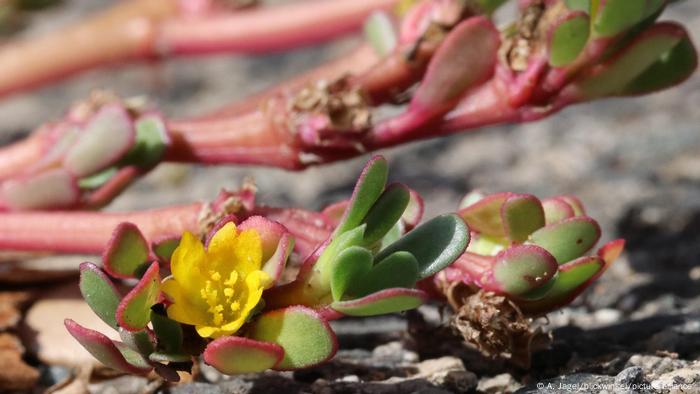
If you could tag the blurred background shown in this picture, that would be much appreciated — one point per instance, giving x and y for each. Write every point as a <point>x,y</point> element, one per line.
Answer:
<point>635,163</point>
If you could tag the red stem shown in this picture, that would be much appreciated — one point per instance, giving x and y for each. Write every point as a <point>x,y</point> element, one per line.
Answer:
<point>89,232</point>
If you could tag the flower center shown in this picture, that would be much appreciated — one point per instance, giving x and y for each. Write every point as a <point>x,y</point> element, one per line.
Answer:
<point>219,296</point>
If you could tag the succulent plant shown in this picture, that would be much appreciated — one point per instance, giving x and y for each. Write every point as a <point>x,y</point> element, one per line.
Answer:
<point>527,257</point>
<point>222,299</point>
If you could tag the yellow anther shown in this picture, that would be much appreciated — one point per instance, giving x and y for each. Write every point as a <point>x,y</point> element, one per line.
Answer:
<point>215,276</point>
<point>228,292</point>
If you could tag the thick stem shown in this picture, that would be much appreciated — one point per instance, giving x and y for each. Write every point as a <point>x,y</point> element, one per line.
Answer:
<point>145,29</point>
<point>89,232</point>
<point>268,29</point>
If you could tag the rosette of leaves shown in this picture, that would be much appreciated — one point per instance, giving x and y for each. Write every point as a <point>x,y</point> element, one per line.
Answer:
<point>89,157</point>
<point>625,51</point>
<point>151,341</point>
<point>369,266</point>
<point>530,251</point>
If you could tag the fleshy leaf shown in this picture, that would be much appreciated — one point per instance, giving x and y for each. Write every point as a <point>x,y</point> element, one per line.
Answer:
<point>616,16</point>
<point>141,341</point>
<point>99,293</point>
<point>385,212</point>
<point>277,243</point>
<point>97,180</point>
<point>55,188</point>
<point>612,77</point>
<point>164,249</point>
<point>126,253</point>
<point>414,211</point>
<point>351,265</point>
<point>305,336</point>
<point>382,302</point>
<point>134,311</point>
<point>568,239</point>
<point>369,187</point>
<point>435,244</point>
<point>522,214</point>
<point>398,270</point>
<point>521,269</point>
<point>578,5</point>
<point>484,216</point>
<point>379,31</point>
<point>151,141</point>
<point>611,251</point>
<point>575,204</point>
<point>106,138</point>
<point>168,332</point>
<point>235,355</point>
<point>568,39</point>
<point>572,279</point>
<point>466,58</point>
<point>106,351</point>
<point>556,209</point>
<point>670,69</point>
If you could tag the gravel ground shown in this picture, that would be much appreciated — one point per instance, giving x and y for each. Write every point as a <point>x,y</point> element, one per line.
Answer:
<point>633,162</point>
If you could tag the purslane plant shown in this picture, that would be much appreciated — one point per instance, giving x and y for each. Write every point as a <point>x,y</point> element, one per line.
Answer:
<point>229,264</point>
<point>151,29</point>
<point>527,257</point>
<point>223,301</point>
<point>445,58</point>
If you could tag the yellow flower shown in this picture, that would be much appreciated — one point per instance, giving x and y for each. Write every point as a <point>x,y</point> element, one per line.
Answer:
<point>216,289</point>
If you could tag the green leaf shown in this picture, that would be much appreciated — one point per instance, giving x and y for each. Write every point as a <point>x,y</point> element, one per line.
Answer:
<point>346,240</point>
<point>568,39</point>
<point>305,336</point>
<point>435,244</point>
<point>151,142</point>
<point>615,16</point>
<point>368,188</point>
<point>164,249</point>
<point>351,265</point>
<point>556,209</point>
<point>578,5</point>
<point>99,293</point>
<point>484,215</point>
<point>386,212</point>
<point>107,137</point>
<point>670,69</point>
<point>488,7</point>
<point>570,281</point>
<point>381,303</point>
<point>619,72</point>
<point>522,214</point>
<point>97,180</point>
<point>398,270</point>
<point>134,311</point>
<point>379,31</point>
<point>137,340</point>
<point>568,239</point>
<point>112,354</point>
<point>55,188</point>
<point>168,332</point>
<point>237,355</point>
<point>521,269</point>
<point>126,253</point>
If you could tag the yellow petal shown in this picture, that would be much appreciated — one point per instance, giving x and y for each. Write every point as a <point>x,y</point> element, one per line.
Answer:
<point>186,263</point>
<point>248,251</point>
<point>205,331</point>
<point>254,283</point>
<point>182,309</point>
<point>220,248</point>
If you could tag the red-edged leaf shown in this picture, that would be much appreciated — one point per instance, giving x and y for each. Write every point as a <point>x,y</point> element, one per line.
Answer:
<point>277,243</point>
<point>557,209</point>
<point>568,239</point>
<point>484,216</point>
<point>107,137</point>
<point>382,302</point>
<point>109,353</point>
<point>335,211</point>
<point>134,311</point>
<point>611,251</point>
<point>520,269</point>
<point>307,338</point>
<point>236,355</point>
<point>126,252</point>
<point>55,188</point>
<point>522,214</point>
<point>414,211</point>
<point>164,248</point>
<point>368,188</point>
<point>575,204</point>
<point>99,293</point>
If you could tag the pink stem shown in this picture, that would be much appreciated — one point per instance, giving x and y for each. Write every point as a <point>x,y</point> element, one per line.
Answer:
<point>89,232</point>
<point>268,29</point>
